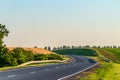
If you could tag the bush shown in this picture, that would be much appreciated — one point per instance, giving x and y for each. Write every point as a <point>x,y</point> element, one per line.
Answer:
<point>18,56</point>
<point>54,57</point>
<point>40,57</point>
<point>47,57</point>
<point>22,55</point>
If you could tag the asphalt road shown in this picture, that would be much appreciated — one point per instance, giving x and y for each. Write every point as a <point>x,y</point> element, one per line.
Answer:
<point>49,72</point>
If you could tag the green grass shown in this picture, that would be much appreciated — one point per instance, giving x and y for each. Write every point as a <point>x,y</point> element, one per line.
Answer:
<point>115,52</point>
<point>112,54</point>
<point>108,70</point>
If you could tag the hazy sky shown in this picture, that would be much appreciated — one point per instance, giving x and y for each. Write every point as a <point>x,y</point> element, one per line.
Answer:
<point>61,22</point>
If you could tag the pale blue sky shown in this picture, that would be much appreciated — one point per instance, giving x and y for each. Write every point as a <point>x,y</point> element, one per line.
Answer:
<point>61,22</point>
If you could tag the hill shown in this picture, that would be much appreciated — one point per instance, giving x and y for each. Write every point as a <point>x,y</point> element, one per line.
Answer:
<point>35,50</point>
<point>112,54</point>
<point>108,68</point>
<point>82,51</point>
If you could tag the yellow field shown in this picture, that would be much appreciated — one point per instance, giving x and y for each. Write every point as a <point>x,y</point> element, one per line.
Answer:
<point>35,50</point>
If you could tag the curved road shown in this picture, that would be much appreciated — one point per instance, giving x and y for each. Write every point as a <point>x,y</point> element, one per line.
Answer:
<point>49,72</point>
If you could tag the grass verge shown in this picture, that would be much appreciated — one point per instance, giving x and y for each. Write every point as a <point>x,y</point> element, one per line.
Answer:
<point>109,66</point>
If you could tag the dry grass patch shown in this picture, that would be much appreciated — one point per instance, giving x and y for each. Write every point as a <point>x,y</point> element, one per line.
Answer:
<point>34,50</point>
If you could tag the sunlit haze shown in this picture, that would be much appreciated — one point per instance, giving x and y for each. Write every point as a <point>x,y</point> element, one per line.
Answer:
<point>61,22</point>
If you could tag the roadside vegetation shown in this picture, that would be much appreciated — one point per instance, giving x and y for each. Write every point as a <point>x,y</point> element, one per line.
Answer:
<point>18,56</point>
<point>109,61</point>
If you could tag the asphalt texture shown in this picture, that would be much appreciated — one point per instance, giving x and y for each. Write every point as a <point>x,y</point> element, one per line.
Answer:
<point>49,72</point>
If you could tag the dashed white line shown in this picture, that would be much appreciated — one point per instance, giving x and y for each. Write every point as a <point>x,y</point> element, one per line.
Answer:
<point>11,76</point>
<point>46,69</point>
<point>33,72</point>
<point>57,67</point>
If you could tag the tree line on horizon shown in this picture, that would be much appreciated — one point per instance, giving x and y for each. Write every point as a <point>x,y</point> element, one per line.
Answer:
<point>64,47</point>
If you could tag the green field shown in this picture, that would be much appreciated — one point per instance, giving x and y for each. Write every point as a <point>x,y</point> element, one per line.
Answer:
<point>84,52</point>
<point>112,54</point>
<point>108,70</point>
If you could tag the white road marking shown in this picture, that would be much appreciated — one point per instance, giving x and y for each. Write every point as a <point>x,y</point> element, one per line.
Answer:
<point>57,67</point>
<point>11,76</point>
<point>33,72</point>
<point>46,69</point>
<point>73,61</point>
<point>77,72</point>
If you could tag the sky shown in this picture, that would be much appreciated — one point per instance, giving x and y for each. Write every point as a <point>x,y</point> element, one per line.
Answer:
<point>61,22</point>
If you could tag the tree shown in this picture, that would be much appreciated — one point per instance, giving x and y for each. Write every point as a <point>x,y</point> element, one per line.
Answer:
<point>114,46</point>
<point>64,47</point>
<point>87,46</point>
<point>73,47</point>
<point>35,46</point>
<point>54,49</point>
<point>45,48</point>
<point>3,32</point>
<point>80,47</point>
<point>49,48</point>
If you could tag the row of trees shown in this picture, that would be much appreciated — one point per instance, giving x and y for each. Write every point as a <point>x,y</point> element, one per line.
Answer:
<point>79,47</point>
<point>47,48</point>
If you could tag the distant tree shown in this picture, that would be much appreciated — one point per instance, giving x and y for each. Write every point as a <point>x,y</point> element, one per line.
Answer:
<point>118,46</point>
<point>94,46</point>
<point>87,46</point>
<point>107,47</point>
<point>60,48</point>
<point>45,48</point>
<point>104,47</point>
<point>80,47</point>
<point>99,46</point>
<point>49,48</point>
<point>114,46</point>
<point>68,47</point>
<point>35,46</point>
<point>64,47</point>
<point>111,47</point>
<point>73,47</point>
<point>54,48</point>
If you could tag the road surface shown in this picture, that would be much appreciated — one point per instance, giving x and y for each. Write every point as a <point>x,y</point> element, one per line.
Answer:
<point>49,72</point>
